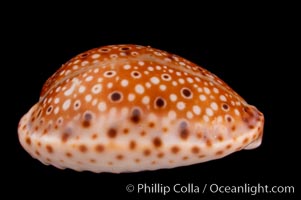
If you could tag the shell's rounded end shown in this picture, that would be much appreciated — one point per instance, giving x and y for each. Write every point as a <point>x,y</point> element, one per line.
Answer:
<point>258,122</point>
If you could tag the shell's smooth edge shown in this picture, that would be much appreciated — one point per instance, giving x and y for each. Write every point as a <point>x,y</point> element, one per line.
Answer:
<point>122,159</point>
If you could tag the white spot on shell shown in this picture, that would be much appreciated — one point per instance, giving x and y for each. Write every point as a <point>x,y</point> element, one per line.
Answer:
<point>196,109</point>
<point>88,97</point>
<point>222,98</point>
<point>162,87</point>
<point>206,118</point>
<point>96,88</point>
<point>150,68</point>
<point>155,80</point>
<point>209,112</point>
<point>95,56</point>
<point>131,97</point>
<point>181,105</point>
<point>84,63</point>
<point>189,115</point>
<point>81,89</point>
<point>126,67</point>
<point>139,89</point>
<point>148,85</point>
<point>214,106</point>
<point>94,102</point>
<point>124,83</point>
<point>207,90</point>
<point>215,90</point>
<point>141,63</point>
<point>173,97</point>
<point>102,106</point>
<point>189,80</point>
<point>56,100</point>
<point>202,97</point>
<point>89,78</point>
<point>66,104</point>
<point>181,81</point>
<point>236,112</point>
<point>110,85</point>
<point>172,115</point>
<point>145,100</point>
<point>56,110</point>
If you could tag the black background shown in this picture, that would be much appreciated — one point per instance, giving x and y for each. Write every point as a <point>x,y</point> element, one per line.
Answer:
<point>246,53</point>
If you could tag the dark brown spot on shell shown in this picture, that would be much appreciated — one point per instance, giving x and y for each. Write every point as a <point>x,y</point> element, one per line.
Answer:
<point>126,131</point>
<point>99,148</point>
<point>94,136</point>
<point>37,152</point>
<point>184,132</point>
<point>159,102</point>
<point>28,141</point>
<point>165,129</point>
<point>136,116</point>
<point>229,119</point>
<point>228,146</point>
<point>136,74</point>
<point>175,149</point>
<point>251,126</point>
<point>225,106</point>
<point>233,128</point>
<point>208,143</point>
<point>112,133</point>
<point>84,55</point>
<point>151,124</point>
<point>87,120</point>
<point>160,155</point>
<point>115,96</point>
<point>185,158</point>
<point>68,154</point>
<point>132,145</point>
<point>92,161</point>
<point>195,150</point>
<point>147,152</point>
<point>125,48</point>
<point>157,142</point>
<point>186,92</point>
<point>49,148</point>
<point>137,160</point>
<point>86,124</point>
<point>154,162</point>
<point>220,138</point>
<point>142,133</point>
<point>65,137</point>
<point>218,153</point>
<point>119,157</point>
<point>39,144</point>
<point>246,140</point>
<point>199,135</point>
<point>83,148</point>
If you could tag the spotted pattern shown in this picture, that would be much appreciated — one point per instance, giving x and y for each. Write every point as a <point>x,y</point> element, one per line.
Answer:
<point>123,108</point>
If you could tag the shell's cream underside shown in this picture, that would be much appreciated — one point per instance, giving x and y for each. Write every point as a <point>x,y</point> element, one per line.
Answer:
<point>128,108</point>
